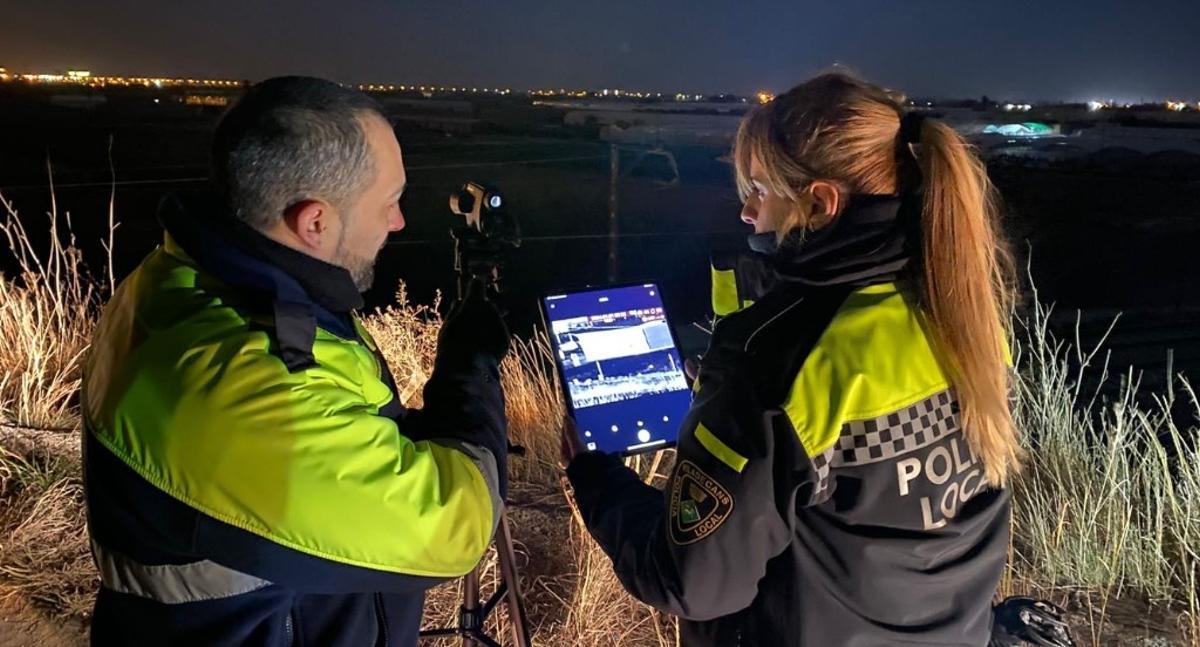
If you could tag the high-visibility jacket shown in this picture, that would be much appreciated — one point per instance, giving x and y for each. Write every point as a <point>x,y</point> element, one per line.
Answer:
<point>251,477</point>
<point>824,492</point>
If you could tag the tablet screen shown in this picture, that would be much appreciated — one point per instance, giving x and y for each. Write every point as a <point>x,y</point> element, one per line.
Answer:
<point>620,365</point>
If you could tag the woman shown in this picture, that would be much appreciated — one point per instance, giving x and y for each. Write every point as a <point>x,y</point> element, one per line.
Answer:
<point>840,479</point>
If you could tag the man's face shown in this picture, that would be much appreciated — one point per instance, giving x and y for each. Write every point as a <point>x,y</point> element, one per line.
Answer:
<point>366,224</point>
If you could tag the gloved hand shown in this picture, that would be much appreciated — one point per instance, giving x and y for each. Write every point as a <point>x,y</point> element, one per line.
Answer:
<point>474,325</point>
<point>1020,620</point>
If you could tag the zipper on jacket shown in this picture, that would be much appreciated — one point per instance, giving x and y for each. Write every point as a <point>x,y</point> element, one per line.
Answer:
<point>382,618</point>
<point>288,631</point>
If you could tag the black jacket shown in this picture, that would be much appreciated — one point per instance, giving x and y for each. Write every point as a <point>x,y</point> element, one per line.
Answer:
<point>823,492</point>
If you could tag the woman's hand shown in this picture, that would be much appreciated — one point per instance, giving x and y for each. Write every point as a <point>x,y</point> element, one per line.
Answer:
<point>571,445</point>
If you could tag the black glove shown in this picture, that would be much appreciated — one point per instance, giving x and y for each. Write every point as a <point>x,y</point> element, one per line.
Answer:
<point>1020,620</point>
<point>474,325</point>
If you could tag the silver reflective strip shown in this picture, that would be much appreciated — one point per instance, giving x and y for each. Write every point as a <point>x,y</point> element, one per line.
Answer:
<point>486,463</point>
<point>172,583</point>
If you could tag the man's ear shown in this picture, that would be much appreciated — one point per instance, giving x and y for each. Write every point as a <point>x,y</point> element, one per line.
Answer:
<point>309,224</point>
<point>827,203</point>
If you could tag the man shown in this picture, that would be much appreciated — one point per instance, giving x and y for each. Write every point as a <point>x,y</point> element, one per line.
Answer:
<point>251,477</point>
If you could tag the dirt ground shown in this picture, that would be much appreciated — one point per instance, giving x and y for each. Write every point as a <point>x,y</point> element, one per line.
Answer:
<point>23,625</point>
<point>1126,623</point>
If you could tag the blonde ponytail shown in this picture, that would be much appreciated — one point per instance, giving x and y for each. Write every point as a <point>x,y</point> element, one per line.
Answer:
<point>968,292</point>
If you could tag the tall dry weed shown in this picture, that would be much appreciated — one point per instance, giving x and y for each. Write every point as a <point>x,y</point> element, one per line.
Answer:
<point>47,312</point>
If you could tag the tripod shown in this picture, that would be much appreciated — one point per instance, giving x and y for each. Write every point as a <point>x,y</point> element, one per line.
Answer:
<point>472,615</point>
<point>478,248</point>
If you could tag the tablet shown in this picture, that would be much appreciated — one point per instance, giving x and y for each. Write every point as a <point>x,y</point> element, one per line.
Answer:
<point>620,366</point>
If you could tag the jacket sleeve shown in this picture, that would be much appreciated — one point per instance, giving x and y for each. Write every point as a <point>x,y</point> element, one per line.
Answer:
<point>699,548</point>
<point>464,409</point>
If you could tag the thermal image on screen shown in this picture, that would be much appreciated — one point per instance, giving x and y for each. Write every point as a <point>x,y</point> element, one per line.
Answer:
<point>623,373</point>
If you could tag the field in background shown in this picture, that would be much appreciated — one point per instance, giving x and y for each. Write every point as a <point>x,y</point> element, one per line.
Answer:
<point>1107,518</point>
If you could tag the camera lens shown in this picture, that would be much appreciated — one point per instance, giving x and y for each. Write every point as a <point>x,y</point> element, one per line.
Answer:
<point>494,201</point>
<point>465,202</point>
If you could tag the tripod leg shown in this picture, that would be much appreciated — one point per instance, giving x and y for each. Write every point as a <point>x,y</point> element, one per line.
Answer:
<point>508,570</point>
<point>470,601</point>
<point>480,638</point>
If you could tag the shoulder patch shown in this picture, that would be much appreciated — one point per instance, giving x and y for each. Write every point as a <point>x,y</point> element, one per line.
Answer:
<point>699,505</point>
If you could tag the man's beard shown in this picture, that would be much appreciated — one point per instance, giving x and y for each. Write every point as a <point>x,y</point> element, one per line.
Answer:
<point>362,269</point>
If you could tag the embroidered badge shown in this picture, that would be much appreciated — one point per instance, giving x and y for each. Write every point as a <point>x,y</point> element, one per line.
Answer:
<point>699,505</point>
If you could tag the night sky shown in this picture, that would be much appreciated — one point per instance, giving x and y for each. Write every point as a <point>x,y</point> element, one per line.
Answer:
<point>1015,49</point>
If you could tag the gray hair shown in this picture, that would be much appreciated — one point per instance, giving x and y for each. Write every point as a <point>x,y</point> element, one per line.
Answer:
<point>290,139</point>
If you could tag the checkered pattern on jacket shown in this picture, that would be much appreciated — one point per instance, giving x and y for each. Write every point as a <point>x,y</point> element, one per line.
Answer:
<point>887,437</point>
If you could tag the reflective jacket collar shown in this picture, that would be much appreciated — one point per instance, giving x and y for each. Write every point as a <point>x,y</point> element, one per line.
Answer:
<point>301,291</point>
<point>872,241</point>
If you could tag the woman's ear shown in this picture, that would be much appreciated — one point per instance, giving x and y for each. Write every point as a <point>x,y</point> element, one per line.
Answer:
<point>827,203</point>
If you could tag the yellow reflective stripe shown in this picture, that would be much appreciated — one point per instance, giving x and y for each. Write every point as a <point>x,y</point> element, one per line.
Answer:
<point>724,292</point>
<point>873,359</point>
<point>723,452</point>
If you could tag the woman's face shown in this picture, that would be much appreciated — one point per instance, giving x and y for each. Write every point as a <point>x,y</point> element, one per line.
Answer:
<point>769,212</point>
<point>764,209</point>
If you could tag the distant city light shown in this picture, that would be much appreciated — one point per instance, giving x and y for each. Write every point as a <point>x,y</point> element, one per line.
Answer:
<point>205,100</point>
<point>86,78</point>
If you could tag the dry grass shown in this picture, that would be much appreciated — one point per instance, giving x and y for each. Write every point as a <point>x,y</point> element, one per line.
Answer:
<point>47,312</point>
<point>1110,501</point>
<point>407,337</point>
<point>1104,518</point>
<point>45,551</point>
<point>601,613</point>
<point>46,317</point>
